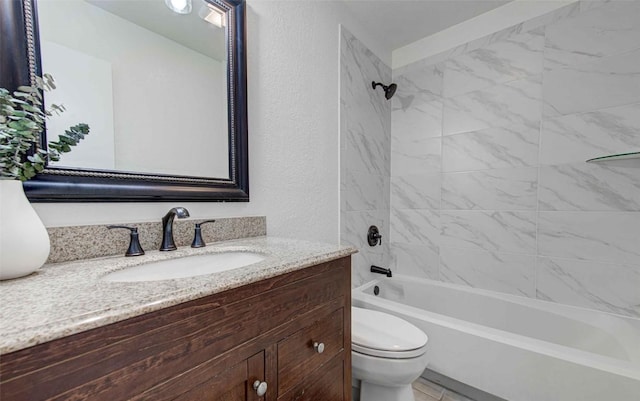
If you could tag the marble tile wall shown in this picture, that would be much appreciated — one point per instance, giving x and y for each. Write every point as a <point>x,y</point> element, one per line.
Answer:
<point>365,151</point>
<point>489,185</point>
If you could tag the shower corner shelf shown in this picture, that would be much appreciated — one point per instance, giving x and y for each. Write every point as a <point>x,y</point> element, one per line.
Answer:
<point>620,158</point>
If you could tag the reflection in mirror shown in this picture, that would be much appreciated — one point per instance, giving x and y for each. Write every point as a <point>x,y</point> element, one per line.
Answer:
<point>151,84</point>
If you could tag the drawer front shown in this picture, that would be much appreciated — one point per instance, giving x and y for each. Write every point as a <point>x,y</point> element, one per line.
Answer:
<point>297,356</point>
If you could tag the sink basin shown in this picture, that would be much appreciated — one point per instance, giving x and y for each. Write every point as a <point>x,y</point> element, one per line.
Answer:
<point>190,266</point>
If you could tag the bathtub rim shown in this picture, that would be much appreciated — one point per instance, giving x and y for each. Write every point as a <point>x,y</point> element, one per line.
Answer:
<point>629,369</point>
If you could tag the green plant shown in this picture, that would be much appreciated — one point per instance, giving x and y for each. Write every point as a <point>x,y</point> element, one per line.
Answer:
<point>22,122</point>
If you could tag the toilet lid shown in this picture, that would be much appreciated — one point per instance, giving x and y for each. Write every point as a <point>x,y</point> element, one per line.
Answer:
<point>381,334</point>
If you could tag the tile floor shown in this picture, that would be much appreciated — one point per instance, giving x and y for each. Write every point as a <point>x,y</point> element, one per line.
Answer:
<point>424,390</point>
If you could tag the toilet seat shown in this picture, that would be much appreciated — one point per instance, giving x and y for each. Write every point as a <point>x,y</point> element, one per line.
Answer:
<point>383,335</point>
<point>389,354</point>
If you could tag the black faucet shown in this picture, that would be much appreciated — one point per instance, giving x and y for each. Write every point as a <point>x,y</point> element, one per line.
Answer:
<point>168,244</point>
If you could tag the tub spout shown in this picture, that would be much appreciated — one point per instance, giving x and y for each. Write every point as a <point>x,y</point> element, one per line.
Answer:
<point>380,270</point>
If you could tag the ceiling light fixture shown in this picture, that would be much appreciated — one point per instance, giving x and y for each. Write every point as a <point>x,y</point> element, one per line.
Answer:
<point>179,6</point>
<point>212,15</point>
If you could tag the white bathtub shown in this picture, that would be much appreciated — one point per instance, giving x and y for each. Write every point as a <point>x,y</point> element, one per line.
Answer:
<point>514,347</point>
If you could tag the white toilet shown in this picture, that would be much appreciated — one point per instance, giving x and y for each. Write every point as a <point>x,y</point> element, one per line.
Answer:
<point>387,354</point>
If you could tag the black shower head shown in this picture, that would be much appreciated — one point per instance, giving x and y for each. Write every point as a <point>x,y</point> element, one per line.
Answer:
<point>389,91</point>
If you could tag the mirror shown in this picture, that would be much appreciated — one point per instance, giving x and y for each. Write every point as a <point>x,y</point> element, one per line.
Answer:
<point>163,93</point>
<point>138,73</point>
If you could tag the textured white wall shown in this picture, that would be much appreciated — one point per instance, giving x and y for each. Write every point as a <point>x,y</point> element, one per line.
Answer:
<point>293,52</point>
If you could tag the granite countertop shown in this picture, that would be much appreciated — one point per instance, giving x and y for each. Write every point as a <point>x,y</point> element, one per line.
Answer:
<point>67,298</point>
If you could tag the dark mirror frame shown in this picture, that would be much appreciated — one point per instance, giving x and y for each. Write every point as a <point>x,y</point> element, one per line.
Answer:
<point>20,62</point>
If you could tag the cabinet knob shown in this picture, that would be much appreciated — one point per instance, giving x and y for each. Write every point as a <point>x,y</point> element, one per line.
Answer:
<point>260,387</point>
<point>319,347</point>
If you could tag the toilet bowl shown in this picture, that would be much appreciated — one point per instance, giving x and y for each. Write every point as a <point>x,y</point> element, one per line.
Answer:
<point>387,355</point>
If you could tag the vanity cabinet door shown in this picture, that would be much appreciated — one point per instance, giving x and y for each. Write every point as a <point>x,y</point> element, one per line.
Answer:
<point>232,384</point>
<point>325,384</point>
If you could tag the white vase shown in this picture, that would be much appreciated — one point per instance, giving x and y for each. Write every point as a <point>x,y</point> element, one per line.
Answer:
<point>24,241</point>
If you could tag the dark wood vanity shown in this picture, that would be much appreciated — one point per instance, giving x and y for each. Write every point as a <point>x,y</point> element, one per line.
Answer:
<point>218,347</point>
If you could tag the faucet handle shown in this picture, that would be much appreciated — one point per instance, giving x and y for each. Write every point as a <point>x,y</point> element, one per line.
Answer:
<point>135,249</point>
<point>373,236</point>
<point>198,242</point>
